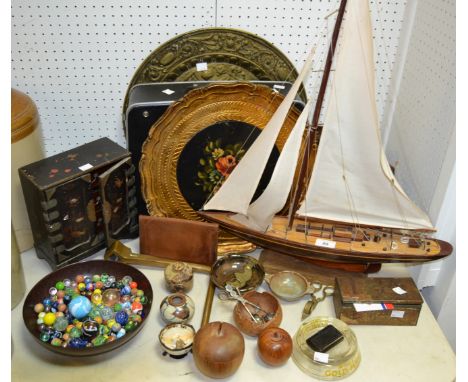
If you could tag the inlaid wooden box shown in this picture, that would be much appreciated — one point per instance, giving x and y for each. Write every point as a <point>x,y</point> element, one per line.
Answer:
<point>389,305</point>
<point>80,200</point>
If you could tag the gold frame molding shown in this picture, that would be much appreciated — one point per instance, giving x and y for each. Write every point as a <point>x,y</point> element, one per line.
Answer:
<point>200,108</point>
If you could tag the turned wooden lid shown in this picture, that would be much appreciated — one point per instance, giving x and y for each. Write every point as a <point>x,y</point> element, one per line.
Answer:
<point>24,115</point>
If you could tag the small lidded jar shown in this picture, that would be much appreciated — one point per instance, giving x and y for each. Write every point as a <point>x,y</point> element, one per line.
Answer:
<point>179,277</point>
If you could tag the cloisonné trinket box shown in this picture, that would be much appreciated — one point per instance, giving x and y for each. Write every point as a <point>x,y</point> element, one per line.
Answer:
<point>80,200</point>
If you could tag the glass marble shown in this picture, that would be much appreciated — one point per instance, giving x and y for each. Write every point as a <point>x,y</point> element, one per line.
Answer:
<point>77,343</point>
<point>67,283</point>
<point>89,286</point>
<point>96,278</point>
<point>75,332</point>
<point>111,279</point>
<point>53,291</point>
<point>107,313</point>
<point>137,307</point>
<point>127,280</point>
<point>62,308</point>
<point>56,342</point>
<point>44,336</point>
<point>90,328</point>
<point>104,277</point>
<point>110,297</point>
<point>116,327</point>
<point>38,308</point>
<point>121,333</point>
<point>96,298</point>
<point>121,317</point>
<point>47,301</point>
<point>60,285</point>
<point>126,290</point>
<point>79,278</point>
<point>126,305</point>
<point>99,340</point>
<point>136,318</point>
<point>79,306</point>
<point>117,307</point>
<point>104,330</point>
<point>49,319</point>
<point>130,325</point>
<point>61,324</point>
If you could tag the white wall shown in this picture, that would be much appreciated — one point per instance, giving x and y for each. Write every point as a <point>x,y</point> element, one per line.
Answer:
<point>421,141</point>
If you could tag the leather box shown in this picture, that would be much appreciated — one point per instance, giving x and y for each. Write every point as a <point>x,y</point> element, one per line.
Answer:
<point>377,301</point>
<point>80,200</point>
<point>179,239</point>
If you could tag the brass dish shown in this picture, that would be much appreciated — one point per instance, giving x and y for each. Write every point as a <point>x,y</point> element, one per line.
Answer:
<point>241,271</point>
<point>232,54</point>
<point>174,157</point>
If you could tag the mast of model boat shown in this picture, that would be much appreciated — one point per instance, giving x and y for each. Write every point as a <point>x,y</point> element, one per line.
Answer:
<point>304,172</point>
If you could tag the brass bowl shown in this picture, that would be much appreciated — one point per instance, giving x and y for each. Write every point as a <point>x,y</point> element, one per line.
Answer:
<point>288,285</point>
<point>86,268</point>
<point>224,271</point>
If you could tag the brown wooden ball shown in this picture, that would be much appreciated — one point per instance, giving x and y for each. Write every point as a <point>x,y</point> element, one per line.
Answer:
<point>218,349</point>
<point>274,346</point>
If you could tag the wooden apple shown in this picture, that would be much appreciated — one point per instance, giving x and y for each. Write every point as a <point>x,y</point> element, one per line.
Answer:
<point>218,349</point>
<point>274,346</point>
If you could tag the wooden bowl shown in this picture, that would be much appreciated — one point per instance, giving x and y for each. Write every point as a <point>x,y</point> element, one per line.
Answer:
<point>264,300</point>
<point>87,268</point>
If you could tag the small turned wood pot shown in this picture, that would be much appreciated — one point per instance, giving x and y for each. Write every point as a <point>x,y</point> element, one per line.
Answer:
<point>264,300</point>
<point>274,346</point>
<point>218,349</point>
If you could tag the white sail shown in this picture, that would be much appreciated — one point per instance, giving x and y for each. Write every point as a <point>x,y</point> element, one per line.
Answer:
<point>351,180</point>
<point>238,189</point>
<point>261,212</point>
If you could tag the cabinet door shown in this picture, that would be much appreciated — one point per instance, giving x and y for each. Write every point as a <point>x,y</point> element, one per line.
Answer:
<point>73,217</point>
<point>119,204</point>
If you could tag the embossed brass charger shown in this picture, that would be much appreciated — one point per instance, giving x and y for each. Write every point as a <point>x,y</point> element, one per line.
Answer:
<point>198,141</point>
<point>231,55</point>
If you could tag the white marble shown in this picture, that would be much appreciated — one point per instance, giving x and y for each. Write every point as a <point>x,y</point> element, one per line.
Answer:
<point>389,353</point>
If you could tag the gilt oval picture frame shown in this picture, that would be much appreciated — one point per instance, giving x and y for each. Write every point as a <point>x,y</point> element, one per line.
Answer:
<point>193,146</point>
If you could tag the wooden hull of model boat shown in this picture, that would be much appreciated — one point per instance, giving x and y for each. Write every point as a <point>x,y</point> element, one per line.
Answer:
<point>389,247</point>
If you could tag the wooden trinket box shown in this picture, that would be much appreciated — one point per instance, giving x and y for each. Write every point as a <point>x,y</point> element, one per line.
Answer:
<point>377,301</point>
<point>80,200</point>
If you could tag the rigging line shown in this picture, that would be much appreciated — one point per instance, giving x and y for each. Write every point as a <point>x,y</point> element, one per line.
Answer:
<point>253,127</point>
<point>311,130</point>
<point>305,155</point>
<point>379,138</point>
<point>351,204</point>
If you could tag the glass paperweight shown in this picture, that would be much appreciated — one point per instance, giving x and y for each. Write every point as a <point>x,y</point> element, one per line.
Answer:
<point>338,362</point>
